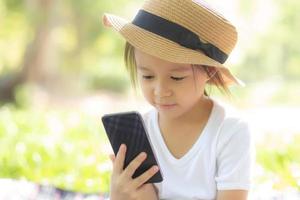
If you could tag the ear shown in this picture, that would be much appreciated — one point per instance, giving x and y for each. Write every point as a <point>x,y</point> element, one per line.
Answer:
<point>105,21</point>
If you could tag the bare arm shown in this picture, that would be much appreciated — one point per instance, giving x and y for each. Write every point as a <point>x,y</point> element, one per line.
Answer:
<point>232,195</point>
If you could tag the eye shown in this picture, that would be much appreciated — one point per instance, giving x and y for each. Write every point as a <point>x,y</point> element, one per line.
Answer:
<point>177,78</point>
<point>147,77</point>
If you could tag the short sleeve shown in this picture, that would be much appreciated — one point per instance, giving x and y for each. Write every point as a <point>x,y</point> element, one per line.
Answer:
<point>234,158</point>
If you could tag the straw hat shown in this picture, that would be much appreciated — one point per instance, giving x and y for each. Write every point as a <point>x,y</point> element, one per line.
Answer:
<point>180,31</point>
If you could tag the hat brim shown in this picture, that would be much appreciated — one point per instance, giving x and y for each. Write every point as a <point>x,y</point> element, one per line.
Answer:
<point>165,49</point>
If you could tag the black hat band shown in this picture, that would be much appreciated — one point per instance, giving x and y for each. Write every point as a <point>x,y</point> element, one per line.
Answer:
<point>178,34</point>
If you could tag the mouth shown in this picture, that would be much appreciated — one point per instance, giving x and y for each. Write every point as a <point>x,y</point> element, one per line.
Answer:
<point>166,106</point>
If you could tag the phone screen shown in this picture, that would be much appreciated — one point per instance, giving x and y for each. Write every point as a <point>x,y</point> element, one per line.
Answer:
<point>128,128</point>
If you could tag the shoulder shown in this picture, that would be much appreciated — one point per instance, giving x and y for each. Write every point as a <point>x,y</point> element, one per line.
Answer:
<point>232,118</point>
<point>233,126</point>
<point>235,153</point>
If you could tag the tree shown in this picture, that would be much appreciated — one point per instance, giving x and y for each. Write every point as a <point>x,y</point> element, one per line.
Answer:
<point>276,52</point>
<point>33,66</point>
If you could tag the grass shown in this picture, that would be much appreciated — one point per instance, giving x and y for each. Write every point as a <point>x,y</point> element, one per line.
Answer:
<point>280,162</point>
<point>68,149</point>
<point>61,148</point>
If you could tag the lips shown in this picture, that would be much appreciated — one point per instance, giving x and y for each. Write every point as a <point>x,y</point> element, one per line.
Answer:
<point>166,106</point>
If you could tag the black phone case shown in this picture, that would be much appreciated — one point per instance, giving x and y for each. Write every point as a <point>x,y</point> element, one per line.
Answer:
<point>128,128</point>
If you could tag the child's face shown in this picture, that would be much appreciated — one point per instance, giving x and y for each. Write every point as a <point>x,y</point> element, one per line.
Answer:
<point>173,89</point>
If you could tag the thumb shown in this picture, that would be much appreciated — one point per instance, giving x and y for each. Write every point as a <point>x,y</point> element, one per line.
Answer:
<point>112,158</point>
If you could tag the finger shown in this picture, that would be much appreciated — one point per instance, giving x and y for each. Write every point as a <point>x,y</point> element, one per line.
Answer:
<point>134,164</point>
<point>120,158</point>
<point>112,158</point>
<point>139,181</point>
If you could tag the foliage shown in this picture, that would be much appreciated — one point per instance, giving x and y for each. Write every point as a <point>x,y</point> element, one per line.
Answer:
<point>67,148</point>
<point>280,161</point>
<point>62,148</point>
<point>77,44</point>
<point>80,44</point>
<point>274,53</point>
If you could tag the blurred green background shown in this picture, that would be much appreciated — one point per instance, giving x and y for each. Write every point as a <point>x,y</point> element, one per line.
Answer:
<point>60,70</point>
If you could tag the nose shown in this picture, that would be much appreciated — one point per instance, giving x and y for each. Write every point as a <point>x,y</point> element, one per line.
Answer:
<point>162,90</point>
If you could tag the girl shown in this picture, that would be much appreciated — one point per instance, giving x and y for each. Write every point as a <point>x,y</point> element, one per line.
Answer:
<point>174,49</point>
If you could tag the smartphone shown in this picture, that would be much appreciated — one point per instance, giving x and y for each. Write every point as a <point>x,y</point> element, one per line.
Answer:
<point>128,128</point>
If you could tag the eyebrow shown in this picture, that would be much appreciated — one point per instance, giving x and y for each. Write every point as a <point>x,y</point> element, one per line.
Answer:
<point>177,69</point>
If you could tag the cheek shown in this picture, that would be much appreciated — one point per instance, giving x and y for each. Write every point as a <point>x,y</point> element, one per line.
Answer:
<point>200,81</point>
<point>146,89</point>
<point>194,89</point>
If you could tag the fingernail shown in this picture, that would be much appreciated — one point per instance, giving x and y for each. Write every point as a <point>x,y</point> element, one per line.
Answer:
<point>155,168</point>
<point>122,147</point>
<point>143,154</point>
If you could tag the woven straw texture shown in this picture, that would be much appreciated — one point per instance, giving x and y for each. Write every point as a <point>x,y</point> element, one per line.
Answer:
<point>193,15</point>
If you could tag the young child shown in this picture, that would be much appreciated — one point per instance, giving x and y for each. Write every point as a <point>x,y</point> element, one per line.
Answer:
<point>174,49</point>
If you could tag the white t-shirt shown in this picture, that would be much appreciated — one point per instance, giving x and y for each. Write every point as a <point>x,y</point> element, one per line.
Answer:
<point>220,159</point>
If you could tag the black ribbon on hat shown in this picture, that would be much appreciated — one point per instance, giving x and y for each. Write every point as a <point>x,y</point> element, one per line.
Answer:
<point>178,34</point>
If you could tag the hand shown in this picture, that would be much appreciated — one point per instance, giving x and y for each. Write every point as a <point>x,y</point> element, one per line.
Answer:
<point>123,186</point>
